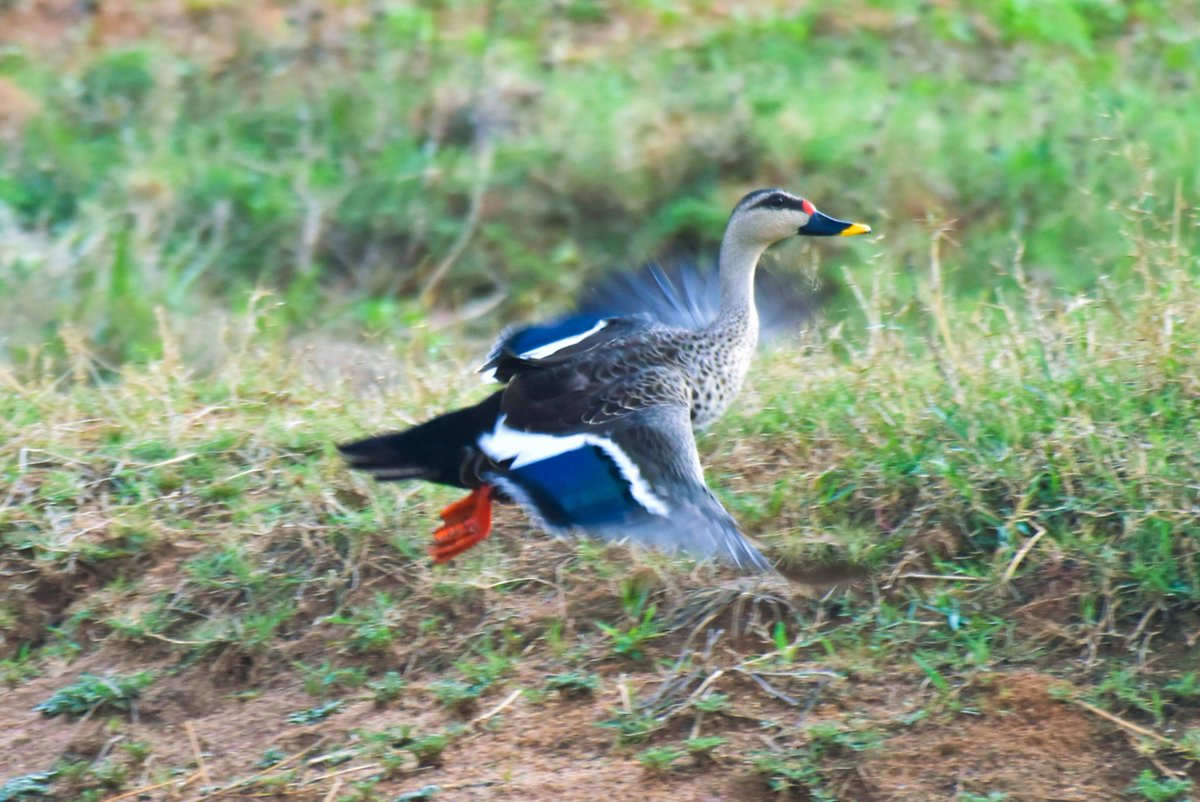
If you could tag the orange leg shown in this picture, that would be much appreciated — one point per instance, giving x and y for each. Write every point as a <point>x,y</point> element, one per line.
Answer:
<point>464,523</point>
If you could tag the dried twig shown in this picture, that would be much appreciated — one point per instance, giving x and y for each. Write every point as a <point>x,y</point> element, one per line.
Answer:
<point>177,783</point>
<point>1022,552</point>
<point>512,697</point>
<point>1127,725</point>
<point>195,744</point>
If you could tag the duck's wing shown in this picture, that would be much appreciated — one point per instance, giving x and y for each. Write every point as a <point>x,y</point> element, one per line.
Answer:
<point>686,294</point>
<point>617,462</point>
<point>523,348</point>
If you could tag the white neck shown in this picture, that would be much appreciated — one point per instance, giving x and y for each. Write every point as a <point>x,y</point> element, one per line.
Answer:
<point>737,263</point>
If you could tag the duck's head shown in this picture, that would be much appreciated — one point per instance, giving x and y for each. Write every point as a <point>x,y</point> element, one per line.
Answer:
<point>769,215</point>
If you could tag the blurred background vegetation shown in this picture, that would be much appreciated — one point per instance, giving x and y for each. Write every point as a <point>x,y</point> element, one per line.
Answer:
<point>375,166</point>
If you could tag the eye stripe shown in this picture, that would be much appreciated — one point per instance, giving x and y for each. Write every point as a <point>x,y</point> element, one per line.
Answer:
<point>776,199</point>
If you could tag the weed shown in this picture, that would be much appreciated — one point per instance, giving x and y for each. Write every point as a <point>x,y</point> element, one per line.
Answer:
<point>712,703</point>
<point>428,749</point>
<point>315,714</point>
<point>801,769</point>
<point>387,688</point>
<point>457,694</point>
<point>322,680</point>
<point>702,747</point>
<point>138,750</point>
<point>631,642</point>
<point>1189,743</point>
<point>17,669</point>
<point>374,628</point>
<point>1154,788</point>
<point>573,684</point>
<point>632,726</point>
<point>270,758</point>
<point>793,770</point>
<point>659,758</point>
<point>478,674</point>
<point>92,693</point>
<point>35,785</point>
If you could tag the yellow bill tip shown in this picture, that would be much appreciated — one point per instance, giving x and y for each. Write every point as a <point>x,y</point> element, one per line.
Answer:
<point>855,228</point>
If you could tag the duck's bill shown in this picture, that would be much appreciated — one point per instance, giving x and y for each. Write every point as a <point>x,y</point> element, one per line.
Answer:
<point>822,225</point>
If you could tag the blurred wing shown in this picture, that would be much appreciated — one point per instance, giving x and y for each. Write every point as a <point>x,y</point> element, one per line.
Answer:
<point>635,477</point>
<point>681,294</point>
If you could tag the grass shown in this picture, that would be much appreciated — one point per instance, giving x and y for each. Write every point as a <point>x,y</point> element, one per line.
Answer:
<point>1041,463</point>
<point>995,416</point>
<point>153,179</point>
<point>1020,494</point>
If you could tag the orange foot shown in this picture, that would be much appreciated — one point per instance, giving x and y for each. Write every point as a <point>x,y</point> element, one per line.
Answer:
<point>464,523</point>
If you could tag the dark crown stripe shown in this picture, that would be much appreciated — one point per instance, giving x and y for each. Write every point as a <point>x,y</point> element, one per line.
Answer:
<point>777,199</point>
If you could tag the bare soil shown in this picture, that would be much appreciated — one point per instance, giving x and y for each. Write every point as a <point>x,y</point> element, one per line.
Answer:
<point>209,722</point>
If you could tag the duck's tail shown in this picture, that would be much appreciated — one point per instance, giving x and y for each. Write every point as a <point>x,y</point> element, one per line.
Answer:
<point>439,450</point>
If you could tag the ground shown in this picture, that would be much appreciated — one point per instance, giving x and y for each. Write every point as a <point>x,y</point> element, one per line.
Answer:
<point>891,735</point>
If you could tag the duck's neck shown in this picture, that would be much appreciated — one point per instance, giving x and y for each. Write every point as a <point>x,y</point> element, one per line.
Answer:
<point>738,261</point>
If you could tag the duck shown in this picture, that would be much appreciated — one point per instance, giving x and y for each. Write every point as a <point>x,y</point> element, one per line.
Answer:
<point>592,431</point>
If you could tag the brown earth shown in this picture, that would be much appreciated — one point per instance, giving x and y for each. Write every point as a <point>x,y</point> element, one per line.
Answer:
<point>1010,735</point>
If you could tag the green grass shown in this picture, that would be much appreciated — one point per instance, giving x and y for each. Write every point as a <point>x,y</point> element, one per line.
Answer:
<point>996,415</point>
<point>1038,459</point>
<point>342,191</point>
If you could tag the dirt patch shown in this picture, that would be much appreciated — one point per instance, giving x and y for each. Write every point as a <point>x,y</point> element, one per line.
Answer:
<point>64,27</point>
<point>16,107</point>
<point>1022,742</point>
<point>519,742</point>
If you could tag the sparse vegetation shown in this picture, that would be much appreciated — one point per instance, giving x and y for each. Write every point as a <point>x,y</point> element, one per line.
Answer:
<point>27,786</point>
<point>92,693</point>
<point>314,714</point>
<point>214,265</point>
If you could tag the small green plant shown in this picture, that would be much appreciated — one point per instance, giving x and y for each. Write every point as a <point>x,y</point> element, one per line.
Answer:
<point>373,627</point>
<point>419,795</point>
<point>428,749</point>
<point>1189,743</point>
<point>270,758</point>
<point>702,747</point>
<point>324,679</point>
<point>479,675</point>
<point>712,703</point>
<point>1154,788</point>
<point>632,726</point>
<point>138,751</point>
<point>27,786</point>
<point>631,642</point>
<point>107,774</point>
<point>314,714</point>
<point>573,684</point>
<point>793,770</point>
<point>659,758</point>
<point>93,693</point>
<point>827,738</point>
<point>15,670</point>
<point>387,688</point>
<point>455,694</point>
